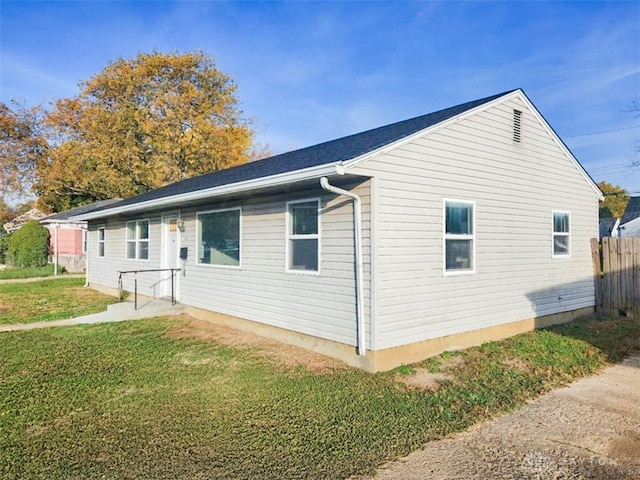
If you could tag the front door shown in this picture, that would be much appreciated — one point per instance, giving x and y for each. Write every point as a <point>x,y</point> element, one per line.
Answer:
<point>170,252</point>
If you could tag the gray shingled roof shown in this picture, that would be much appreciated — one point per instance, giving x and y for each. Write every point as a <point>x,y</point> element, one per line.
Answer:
<point>632,211</point>
<point>91,207</point>
<point>334,151</point>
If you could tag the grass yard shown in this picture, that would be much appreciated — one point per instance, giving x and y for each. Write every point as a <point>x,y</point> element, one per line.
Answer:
<point>11,273</point>
<point>158,399</point>
<point>51,299</point>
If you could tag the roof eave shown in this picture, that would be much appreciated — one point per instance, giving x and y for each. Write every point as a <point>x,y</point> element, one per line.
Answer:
<point>240,187</point>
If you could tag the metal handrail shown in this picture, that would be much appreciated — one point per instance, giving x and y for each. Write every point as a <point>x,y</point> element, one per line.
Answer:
<point>135,282</point>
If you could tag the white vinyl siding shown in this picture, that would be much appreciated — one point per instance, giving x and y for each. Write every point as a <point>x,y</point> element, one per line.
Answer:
<point>514,187</point>
<point>303,235</point>
<point>138,240</point>
<point>321,304</point>
<point>561,240</point>
<point>219,237</point>
<point>459,236</point>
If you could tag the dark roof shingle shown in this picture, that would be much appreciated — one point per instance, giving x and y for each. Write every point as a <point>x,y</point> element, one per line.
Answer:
<point>333,151</point>
<point>632,211</point>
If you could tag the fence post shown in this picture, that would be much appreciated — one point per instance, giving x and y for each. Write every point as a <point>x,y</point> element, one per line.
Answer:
<point>596,259</point>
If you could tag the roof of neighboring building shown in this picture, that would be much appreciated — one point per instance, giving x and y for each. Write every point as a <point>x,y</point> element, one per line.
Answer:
<point>632,211</point>
<point>606,225</point>
<point>333,151</point>
<point>20,220</point>
<point>64,216</point>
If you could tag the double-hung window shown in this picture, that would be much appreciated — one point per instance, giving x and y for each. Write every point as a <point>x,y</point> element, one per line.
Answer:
<point>101,241</point>
<point>459,236</point>
<point>561,234</point>
<point>138,240</point>
<point>219,237</point>
<point>303,235</point>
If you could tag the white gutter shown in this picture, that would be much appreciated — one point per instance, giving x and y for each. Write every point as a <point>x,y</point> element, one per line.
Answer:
<point>357,212</point>
<point>262,182</point>
<point>86,258</point>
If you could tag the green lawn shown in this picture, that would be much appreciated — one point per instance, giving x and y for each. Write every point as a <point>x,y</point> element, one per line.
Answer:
<point>28,272</point>
<point>132,400</point>
<point>50,299</point>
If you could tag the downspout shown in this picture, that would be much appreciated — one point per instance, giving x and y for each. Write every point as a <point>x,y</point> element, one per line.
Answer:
<point>357,213</point>
<point>86,256</point>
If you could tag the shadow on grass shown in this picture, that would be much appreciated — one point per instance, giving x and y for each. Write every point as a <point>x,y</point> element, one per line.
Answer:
<point>616,338</point>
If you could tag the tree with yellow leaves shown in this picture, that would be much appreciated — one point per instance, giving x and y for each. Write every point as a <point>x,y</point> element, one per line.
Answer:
<point>140,124</point>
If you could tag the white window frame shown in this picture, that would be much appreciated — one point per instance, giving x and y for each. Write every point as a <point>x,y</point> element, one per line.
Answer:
<point>555,234</point>
<point>102,241</point>
<point>289,237</point>
<point>199,233</point>
<point>450,236</point>
<point>137,240</point>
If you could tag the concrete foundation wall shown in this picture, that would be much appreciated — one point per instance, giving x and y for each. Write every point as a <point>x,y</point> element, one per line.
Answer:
<point>383,360</point>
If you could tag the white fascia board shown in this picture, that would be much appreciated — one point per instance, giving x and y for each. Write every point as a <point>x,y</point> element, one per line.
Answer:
<point>207,193</point>
<point>351,164</point>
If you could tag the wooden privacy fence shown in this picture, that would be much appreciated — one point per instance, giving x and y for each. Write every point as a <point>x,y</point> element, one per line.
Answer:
<point>616,263</point>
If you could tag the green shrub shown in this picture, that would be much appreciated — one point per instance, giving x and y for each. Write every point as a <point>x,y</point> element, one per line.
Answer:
<point>29,246</point>
<point>4,246</point>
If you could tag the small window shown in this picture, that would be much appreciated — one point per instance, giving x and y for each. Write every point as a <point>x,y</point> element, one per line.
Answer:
<point>517,126</point>
<point>561,234</point>
<point>138,240</point>
<point>459,239</point>
<point>219,237</point>
<point>303,239</point>
<point>101,238</point>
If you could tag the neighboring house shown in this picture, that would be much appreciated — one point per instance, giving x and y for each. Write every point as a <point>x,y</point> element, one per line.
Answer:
<point>608,227</point>
<point>465,225</point>
<point>67,238</point>
<point>19,221</point>
<point>630,221</point>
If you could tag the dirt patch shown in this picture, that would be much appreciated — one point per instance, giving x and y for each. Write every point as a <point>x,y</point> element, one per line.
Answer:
<point>422,379</point>
<point>517,364</point>
<point>626,447</point>
<point>287,356</point>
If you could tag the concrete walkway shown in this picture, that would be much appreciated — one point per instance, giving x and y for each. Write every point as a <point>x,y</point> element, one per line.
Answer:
<point>588,430</point>
<point>117,312</point>
<point>40,279</point>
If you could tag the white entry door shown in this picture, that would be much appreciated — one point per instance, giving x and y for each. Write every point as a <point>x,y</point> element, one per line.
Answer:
<point>170,253</point>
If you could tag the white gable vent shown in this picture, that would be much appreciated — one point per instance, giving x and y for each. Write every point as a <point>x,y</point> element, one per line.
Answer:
<point>517,124</point>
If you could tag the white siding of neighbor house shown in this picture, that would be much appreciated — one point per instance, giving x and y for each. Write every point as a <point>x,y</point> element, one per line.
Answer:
<point>322,305</point>
<point>515,187</point>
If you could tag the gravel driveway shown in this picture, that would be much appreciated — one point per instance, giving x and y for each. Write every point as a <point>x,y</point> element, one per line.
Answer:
<point>588,430</point>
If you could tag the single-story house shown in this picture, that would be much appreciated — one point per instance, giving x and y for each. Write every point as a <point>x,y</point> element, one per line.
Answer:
<point>13,225</point>
<point>630,221</point>
<point>68,238</point>
<point>443,231</point>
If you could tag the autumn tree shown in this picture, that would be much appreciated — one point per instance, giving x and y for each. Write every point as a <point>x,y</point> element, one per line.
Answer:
<point>22,148</point>
<point>138,125</point>
<point>615,200</point>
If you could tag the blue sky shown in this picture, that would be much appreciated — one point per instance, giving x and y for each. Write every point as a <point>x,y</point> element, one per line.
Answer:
<point>313,71</point>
